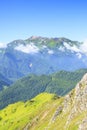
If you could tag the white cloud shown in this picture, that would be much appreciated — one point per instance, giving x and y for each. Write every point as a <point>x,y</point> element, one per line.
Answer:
<point>44,46</point>
<point>72,48</point>
<point>29,48</point>
<point>3,45</point>
<point>50,51</point>
<point>83,47</point>
<point>61,49</point>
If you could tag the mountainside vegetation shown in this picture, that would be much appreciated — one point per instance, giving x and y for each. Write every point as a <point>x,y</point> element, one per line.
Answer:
<point>28,87</point>
<point>49,111</point>
<point>20,115</point>
<point>4,82</point>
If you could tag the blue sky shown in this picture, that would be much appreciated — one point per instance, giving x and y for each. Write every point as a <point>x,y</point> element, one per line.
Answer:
<point>20,19</point>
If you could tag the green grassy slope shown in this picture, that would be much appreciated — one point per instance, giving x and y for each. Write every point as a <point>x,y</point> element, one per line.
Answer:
<point>44,112</point>
<point>21,115</point>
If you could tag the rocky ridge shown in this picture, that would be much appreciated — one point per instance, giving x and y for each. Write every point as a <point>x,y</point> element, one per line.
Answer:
<point>75,104</point>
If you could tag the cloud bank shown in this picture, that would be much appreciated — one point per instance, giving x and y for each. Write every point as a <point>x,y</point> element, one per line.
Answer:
<point>30,48</point>
<point>82,49</point>
<point>72,48</point>
<point>3,45</point>
<point>50,52</point>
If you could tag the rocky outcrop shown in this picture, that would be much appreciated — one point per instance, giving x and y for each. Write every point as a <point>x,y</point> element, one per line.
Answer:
<point>77,98</point>
<point>58,112</point>
<point>75,103</point>
<point>83,125</point>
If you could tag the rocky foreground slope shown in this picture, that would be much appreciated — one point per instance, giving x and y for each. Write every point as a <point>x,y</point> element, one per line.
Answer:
<point>49,112</point>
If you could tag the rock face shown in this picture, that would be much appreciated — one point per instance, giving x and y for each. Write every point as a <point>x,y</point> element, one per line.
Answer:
<point>81,94</point>
<point>75,107</point>
<point>58,112</point>
<point>78,96</point>
<point>76,103</point>
<point>83,125</point>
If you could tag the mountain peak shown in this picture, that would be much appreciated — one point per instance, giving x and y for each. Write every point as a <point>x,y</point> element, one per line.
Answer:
<point>34,37</point>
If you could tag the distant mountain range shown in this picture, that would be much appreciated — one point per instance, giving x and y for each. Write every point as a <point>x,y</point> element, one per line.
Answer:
<point>40,55</point>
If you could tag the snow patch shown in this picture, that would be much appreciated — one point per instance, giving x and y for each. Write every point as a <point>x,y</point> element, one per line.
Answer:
<point>30,65</point>
<point>79,55</point>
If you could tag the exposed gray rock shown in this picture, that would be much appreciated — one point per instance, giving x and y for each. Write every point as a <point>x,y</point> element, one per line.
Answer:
<point>76,102</point>
<point>58,111</point>
<point>83,125</point>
